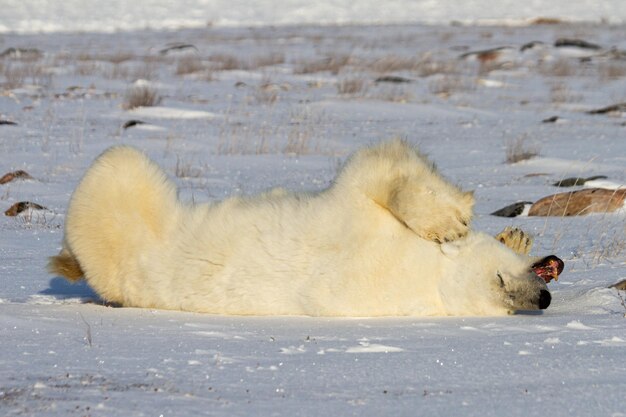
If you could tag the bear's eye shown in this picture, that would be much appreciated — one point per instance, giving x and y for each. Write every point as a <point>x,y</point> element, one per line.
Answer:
<point>500,278</point>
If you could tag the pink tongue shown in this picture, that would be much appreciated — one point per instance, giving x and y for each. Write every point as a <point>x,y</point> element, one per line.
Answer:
<point>547,272</point>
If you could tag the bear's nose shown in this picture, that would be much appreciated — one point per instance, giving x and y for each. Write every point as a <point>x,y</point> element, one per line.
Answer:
<point>544,299</point>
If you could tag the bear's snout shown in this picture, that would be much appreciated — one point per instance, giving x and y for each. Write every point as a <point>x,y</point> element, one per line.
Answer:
<point>544,299</point>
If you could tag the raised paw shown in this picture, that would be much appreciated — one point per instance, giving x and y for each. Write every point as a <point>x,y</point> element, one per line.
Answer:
<point>440,222</point>
<point>439,216</point>
<point>444,228</point>
<point>516,240</point>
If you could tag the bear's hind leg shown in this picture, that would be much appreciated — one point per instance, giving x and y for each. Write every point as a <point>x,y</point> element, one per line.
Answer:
<point>515,239</point>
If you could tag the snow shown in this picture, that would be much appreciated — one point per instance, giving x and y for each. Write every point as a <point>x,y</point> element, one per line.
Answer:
<point>33,16</point>
<point>244,130</point>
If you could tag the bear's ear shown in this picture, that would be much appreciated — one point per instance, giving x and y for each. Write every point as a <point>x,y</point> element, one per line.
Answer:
<point>450,249</point>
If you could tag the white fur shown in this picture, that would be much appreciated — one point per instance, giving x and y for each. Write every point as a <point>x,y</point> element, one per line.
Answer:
<point>366,246</point>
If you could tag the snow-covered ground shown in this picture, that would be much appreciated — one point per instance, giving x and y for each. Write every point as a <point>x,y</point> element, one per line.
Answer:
<point>32,16</point>
<point>245,109</point>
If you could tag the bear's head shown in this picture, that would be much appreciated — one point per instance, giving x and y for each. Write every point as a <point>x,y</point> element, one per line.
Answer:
<point>483,276</point>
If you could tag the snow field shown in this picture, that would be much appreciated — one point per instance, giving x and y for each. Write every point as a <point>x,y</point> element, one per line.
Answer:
<point>248,109</point>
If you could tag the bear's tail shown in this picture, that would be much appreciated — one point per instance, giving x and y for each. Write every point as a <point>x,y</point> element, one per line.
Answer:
<point>66,265</point>
<point>123,208</point>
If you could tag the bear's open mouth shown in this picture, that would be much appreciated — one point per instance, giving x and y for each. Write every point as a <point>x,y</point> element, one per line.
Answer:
<point>548,268</point>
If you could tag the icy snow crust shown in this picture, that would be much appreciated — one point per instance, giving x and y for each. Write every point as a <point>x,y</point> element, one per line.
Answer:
<point>241,130</point>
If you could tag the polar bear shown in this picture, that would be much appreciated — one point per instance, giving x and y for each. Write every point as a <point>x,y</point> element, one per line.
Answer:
<point>390,237</point>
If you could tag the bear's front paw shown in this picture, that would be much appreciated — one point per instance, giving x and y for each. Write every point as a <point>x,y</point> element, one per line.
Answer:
<point>445,228</point>
<point>515,239</point>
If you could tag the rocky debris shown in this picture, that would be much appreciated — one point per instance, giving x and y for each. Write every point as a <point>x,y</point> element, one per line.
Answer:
<point>552,119</point>
<point>574,181</point>
<point>21,53</point>
<point>546,21</point>
<point>486,55</point>
<point>620,285</point>
<point>613,108</point>
<point>177,47</point>
<point>394,79</point>
<point>18,208</point>
<point>576,43</point>
<point>11,176</point>
<point>531,45</point>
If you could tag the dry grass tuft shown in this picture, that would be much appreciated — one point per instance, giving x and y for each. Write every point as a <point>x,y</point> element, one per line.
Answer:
<point>115,58</point>
<point>189,64</point>
<point>395,94</point>
<point>267,92</point>
<point>271,59</point>
<point>332,64</point>
<point>519,150</point>
<point>141,96</point>
<point>351,86</point>
<point>446,85</point>
<point>560,93</point>
<point>394,63</point>
<point>611,71</point>
<point>226,62</point>
<point>560,68</point>
<point>16,74</point>
<point>185,169</point>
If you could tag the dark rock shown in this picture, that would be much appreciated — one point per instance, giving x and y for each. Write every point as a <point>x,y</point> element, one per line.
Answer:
<point>619,107</point>
<point>394,79</point>
<point>513,210</point>
<point>574,181</point>
<point>20,53</point>
<point>576,43</point>
<point>552,119</point>
<point>177,47</point>
<point>132,123</point>
<point>530,45</point>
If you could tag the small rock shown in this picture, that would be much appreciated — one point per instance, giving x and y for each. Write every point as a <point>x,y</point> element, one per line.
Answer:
<point>17,208</point>
<point>576,43</point>
<point>177,47</point>
<point>530,45</point>
<point>19,174</point>
<point>513,210</point>
<point>552,119</point>
<point>487,55</point>
<point>394,79</point>
<point>132,123</point>
<point>574,181</point>
<point>613,108</point>
<point>21,53</point>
